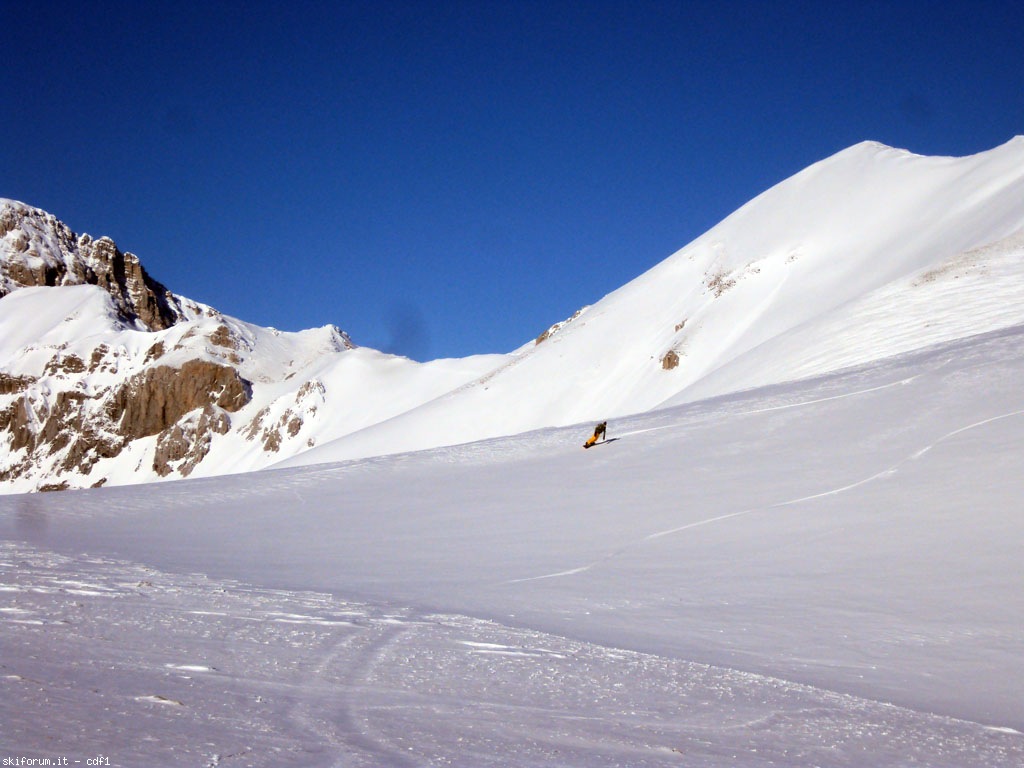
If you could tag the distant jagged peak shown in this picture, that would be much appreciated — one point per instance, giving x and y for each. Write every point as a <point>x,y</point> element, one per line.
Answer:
<point>337,339</point>
<point>37,249</point>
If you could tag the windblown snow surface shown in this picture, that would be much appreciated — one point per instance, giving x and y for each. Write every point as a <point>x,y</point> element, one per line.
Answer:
<point>815,561</point>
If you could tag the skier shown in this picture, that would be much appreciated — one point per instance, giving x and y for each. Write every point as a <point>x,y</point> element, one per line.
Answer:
<point>599,432</point>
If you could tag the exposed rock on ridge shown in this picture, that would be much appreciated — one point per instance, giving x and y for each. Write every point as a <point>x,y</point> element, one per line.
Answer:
<point>38,250</point>
<point>71,430</point>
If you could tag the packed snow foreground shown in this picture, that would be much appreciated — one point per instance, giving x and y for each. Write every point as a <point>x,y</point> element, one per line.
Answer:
<point>800,544</point>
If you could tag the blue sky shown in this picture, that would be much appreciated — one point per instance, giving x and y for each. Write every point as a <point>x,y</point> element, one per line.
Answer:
<point>449,178</point>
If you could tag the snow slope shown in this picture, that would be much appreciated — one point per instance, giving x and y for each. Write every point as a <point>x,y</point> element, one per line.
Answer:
<point>824,572</point>
<point>838,265</point>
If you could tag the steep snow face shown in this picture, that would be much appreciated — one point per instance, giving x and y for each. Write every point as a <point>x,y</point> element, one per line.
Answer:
<point>869,253</point>
<point>973,291</point>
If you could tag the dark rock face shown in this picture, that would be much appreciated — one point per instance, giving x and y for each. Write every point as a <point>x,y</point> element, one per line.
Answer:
<point>38,250</point>
<point>182,446</point>
<point>80,429</point>
<point>153,400</point>
<point>63,425</point>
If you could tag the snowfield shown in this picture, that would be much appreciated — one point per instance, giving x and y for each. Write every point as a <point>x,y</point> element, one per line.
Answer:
<point>800,545</point>
<point>819,573</point>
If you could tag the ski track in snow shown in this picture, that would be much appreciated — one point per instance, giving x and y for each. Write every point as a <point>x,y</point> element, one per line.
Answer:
<point>801,404</point>
<point>345,721</point>
<point>152,668</point>
<point>887,472</point>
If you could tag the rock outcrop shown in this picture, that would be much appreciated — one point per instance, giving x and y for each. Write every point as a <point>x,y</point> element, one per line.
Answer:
<point>182,446</point>
<point>72,430</point>
<point>36,249</point>
<point>151,401</point>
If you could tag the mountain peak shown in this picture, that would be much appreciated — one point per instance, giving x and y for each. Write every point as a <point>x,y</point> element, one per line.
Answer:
<point>872,147</point>
<point>37,249</point>
<point>869,253</point>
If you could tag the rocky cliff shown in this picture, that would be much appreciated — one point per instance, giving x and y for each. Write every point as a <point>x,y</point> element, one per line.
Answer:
<point>38,250</point>
<point>124,372</point>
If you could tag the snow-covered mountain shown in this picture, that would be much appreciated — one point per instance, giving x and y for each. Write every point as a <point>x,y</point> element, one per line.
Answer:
<point>872,252</point>
<point>108,377</point>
